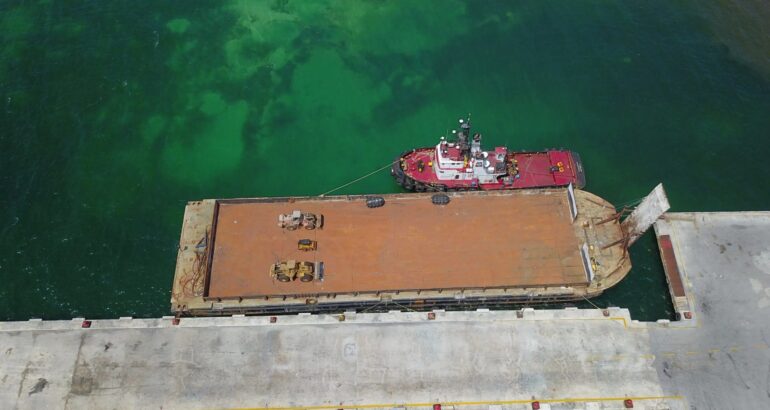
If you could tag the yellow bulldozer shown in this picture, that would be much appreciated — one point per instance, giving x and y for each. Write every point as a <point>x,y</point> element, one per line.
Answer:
<point>291,270</point>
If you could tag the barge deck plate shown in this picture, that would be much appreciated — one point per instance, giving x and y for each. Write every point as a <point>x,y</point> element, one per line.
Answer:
<point>408,244</point>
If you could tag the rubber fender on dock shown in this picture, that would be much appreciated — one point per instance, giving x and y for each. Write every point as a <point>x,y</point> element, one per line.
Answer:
<point>375,201</point>
<point>440,199</point>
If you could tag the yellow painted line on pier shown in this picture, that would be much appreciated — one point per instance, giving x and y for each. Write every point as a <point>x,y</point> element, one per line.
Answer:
<point>618,357</point>
<point>467,403</point>
<point>731,349</point>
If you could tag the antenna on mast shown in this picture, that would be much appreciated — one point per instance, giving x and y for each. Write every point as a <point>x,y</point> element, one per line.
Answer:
<point>463,135</point>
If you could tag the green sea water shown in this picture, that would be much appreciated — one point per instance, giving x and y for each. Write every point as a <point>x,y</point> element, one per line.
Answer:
<point>114,114</point>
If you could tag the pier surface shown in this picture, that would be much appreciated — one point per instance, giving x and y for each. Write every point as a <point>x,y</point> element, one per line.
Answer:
<point>564,359</point>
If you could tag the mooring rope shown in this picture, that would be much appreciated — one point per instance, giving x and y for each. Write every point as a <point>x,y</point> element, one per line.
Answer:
<point>360,178</point>
<point>592,303</point>
<point>632,203</point>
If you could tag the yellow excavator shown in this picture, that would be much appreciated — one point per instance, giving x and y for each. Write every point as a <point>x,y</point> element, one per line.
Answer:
<point>291,270</point>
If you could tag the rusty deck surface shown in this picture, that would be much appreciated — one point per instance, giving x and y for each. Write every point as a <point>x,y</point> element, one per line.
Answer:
<point>477,241</point>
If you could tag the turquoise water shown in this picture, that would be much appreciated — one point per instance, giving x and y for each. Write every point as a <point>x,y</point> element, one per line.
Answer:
<point>114,114</point>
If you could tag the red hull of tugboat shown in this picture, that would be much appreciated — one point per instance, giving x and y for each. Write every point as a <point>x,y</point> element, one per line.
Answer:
<point>463,165</point>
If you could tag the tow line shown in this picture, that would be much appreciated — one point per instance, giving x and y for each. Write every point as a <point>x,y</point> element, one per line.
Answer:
<point>358,179</point>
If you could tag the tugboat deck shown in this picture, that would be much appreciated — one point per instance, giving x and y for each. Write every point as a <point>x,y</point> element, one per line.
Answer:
<point>475,241</point>
<point>534,167</point>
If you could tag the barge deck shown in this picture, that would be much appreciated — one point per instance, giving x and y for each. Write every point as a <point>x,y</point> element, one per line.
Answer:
<point>482,247</point>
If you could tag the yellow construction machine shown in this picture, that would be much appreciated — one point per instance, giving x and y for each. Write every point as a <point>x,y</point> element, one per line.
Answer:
<point>307,245</point>
<point>291,270</point>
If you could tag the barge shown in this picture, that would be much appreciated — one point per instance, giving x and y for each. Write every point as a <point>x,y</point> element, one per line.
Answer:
<point>397,251</point>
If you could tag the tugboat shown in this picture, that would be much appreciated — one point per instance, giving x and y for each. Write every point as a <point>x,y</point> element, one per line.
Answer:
<point>462,165</point>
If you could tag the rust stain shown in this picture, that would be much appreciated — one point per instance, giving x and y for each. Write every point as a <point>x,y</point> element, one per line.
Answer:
<point>671,267</point>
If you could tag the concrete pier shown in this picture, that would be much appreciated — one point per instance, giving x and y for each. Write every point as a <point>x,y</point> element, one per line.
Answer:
<point>720,358</point>
<point>561,359</point>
